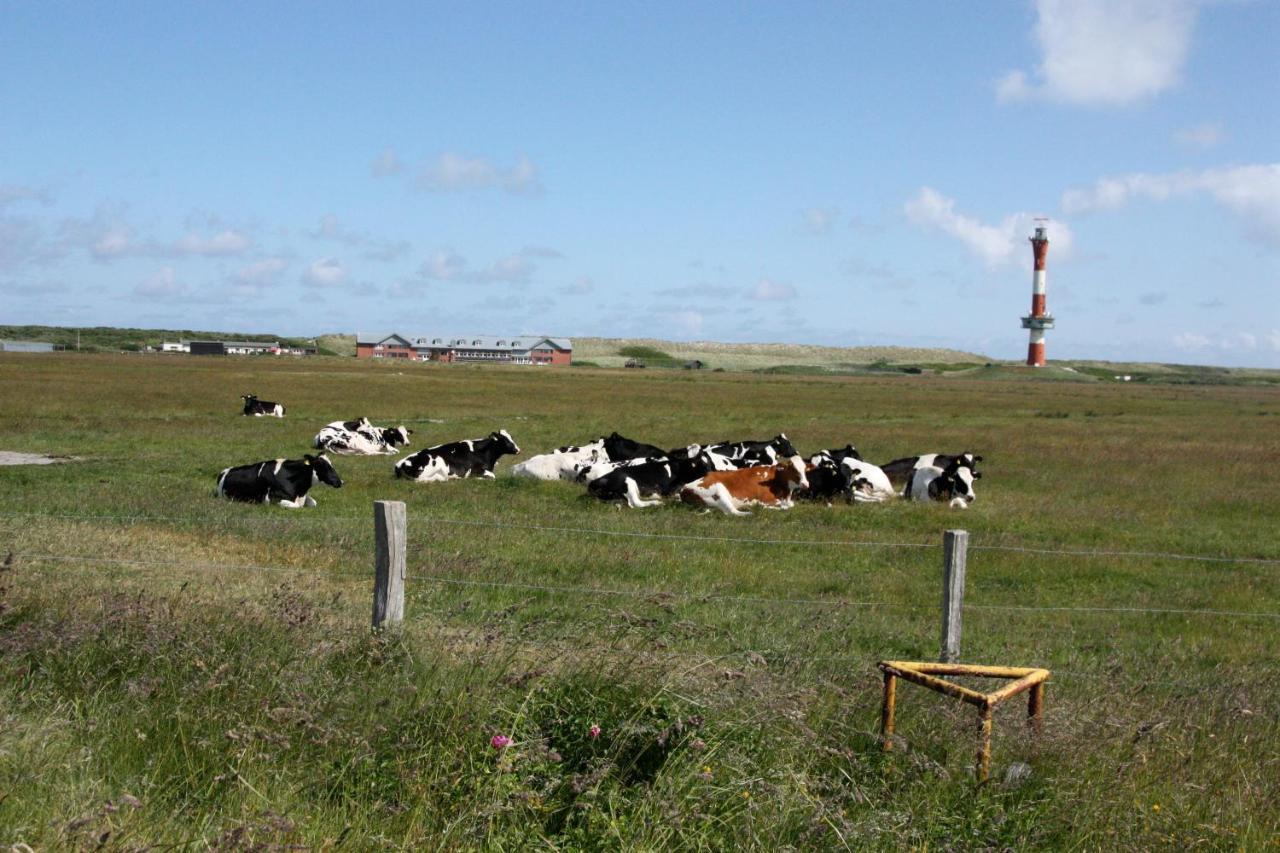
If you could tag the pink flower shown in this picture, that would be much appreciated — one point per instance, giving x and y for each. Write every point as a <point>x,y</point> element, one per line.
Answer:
<point>500,742</point>
<point>594,732</point>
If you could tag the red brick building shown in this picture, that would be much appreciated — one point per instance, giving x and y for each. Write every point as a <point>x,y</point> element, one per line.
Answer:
<point>516,349</point>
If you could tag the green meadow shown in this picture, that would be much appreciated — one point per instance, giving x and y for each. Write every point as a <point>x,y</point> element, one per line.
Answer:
<point>176,670</point>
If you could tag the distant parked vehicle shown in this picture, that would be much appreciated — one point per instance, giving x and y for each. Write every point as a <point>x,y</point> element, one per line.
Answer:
<point>634,362</point>
<point>696,364</point>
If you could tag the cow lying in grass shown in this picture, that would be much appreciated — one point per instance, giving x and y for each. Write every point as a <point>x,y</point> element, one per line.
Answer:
<point>362,438</point>
<point>285,480</point>
<point>770,486</point>
<point>953,484</point>
<point>257,408</point>
<point>870,483</point>
<point>638,479</point>
<point>901,471</point>
<point>562,463</point>
<point>457,459</point>
<point>748,454</point>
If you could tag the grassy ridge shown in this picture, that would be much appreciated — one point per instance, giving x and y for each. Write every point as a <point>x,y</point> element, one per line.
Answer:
<point>113,339</point>
<point>734,682</point>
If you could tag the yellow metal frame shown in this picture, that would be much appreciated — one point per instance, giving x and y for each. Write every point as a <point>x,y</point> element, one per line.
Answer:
<point>925,674</point>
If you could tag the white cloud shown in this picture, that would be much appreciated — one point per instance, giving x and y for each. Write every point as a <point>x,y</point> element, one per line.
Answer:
<point>683,322</point>
<point>325,272</point>
<point>1231,341</point>
<point>767,290</point>
<point>387,164</point>
<point>454,173</point>
<point>443,265</point>
<point>330,229</point>
<point>1250,192</point>
<point>522,178</point>
<point>22,242</point>
<point>113,242</point>
<point>164,285</point>
<point>516,268</point>
<point>886,278</point>
<point>1201,137</point>
<point>107,235</point>
<point>995,244</point>
<point>261,273</point>
<point>579,287</point>
<point>223,243</point>
<point>1104,51</point>
<point>1190,341</point>
<point>818,220</point>
<point>13,193</point>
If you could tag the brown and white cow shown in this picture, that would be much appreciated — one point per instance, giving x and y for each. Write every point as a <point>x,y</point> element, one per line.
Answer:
<point>770,486</point>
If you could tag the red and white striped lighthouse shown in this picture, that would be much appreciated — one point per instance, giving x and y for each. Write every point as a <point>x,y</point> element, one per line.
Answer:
<point>1039,319</point>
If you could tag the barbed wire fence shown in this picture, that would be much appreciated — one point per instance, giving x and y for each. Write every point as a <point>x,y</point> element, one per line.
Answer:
<point>392,549</point>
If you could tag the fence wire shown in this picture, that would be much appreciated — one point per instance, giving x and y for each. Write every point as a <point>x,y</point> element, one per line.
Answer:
<point>638,534</point>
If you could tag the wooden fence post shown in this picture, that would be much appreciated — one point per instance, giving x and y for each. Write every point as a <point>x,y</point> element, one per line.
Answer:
<point>388,563</point>
<point>955,549</point>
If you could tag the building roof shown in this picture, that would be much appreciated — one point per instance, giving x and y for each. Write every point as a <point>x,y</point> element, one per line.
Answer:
<point>27,346</point>
<point>377,337</point>
<point>514,343</point>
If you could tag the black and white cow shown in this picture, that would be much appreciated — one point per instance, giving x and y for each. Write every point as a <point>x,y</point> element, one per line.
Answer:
<point>258,408</point>
<point>748,454</point>
<point>562,463</point>
<point>827,480</point>
<point>657,478</point>
<point>836,455</point>
<point>457,459</point>
<point>283,480</point>
<point>585,472</point>
<point>870,484</point>
<point>617,449</point>
<point>901,471</point>
<point>361,437</point>
<point>953,484</point>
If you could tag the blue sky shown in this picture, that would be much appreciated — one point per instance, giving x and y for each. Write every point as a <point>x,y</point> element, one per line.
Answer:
<point>825,173</point>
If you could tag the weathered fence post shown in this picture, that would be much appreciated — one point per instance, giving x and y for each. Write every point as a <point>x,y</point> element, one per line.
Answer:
<point>955,548</point>
<point>388,563</point>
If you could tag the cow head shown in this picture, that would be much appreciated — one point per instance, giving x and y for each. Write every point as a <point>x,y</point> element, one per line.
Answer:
<point>395,437</point>
<point>248,398</point>
<point>846,452</point>
<point>324,470</point>
<point>970,461</point>
<point>792,470</point>
<point>954,484</point>
<point>783,446</point>
<point>505,442</point>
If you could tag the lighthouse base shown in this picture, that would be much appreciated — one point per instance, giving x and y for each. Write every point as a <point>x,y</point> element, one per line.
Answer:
<point>1035,354</point>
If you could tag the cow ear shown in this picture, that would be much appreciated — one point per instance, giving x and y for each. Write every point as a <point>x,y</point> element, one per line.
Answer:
<point>308,458</point>
<point>977,459</point>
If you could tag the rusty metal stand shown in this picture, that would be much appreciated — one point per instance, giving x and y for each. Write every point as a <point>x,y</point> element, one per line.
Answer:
<point>925,674</point>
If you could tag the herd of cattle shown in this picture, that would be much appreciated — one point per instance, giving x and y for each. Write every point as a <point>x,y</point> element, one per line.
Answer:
<point>726,475</point>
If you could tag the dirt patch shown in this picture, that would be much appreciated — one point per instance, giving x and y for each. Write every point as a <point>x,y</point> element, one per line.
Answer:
<point>10,457</point>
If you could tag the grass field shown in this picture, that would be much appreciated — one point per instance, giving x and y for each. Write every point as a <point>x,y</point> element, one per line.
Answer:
<point>176,670</point>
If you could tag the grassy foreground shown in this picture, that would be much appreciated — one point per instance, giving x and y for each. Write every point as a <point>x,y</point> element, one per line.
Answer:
<point>176,670</point>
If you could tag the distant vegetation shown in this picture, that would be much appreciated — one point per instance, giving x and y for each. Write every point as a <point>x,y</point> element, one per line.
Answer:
<point>112,339</point>
<point>651,356</point>
<point>770,359</point>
